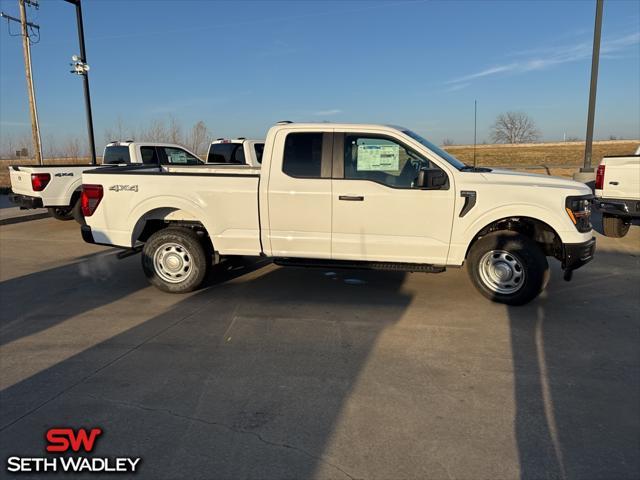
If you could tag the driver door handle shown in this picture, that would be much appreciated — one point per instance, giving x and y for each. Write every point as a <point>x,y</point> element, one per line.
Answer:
<point>350,198</point>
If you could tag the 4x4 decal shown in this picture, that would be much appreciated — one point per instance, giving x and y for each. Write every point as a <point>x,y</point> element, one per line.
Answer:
<point>124,188</point>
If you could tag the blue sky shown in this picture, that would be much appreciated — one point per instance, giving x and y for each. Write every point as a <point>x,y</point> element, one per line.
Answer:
<point>240,66</point>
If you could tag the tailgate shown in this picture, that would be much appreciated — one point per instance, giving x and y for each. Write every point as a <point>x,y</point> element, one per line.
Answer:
<point>21,180</point>
<point>622,178</point>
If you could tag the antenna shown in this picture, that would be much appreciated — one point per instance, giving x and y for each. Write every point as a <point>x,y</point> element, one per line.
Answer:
<point>475,129</point>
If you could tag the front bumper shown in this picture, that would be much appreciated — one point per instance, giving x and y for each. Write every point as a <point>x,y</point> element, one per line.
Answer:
<point>575,255</point>
<point>618,206</point>
<point>25,201</point>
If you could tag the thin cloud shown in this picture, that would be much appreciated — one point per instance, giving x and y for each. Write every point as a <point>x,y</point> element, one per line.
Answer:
<point>324,113</point>
<point>543,58</point>
<point>457,86</point>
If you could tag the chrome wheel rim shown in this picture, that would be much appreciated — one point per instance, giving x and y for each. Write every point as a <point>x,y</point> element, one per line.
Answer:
<point>501,272</point>
<point>172,262</point>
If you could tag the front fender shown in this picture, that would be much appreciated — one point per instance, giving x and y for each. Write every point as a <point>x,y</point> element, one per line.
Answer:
<point>464,234</point>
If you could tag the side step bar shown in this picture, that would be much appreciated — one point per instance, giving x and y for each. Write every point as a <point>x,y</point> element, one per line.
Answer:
<point>398,267</point>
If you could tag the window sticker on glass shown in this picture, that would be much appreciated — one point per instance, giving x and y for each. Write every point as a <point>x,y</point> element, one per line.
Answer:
<point>378,158</point>
<point>176,156</point>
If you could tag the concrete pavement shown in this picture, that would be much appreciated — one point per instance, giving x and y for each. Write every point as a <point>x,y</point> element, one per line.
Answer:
<point>298,373</point>
<point>9,213</point>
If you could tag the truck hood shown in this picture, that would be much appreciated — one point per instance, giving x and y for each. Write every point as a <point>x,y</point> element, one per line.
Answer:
<point>513,178</point>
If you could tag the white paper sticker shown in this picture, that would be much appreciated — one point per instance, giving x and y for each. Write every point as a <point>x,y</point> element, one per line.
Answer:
<point>378,158</point>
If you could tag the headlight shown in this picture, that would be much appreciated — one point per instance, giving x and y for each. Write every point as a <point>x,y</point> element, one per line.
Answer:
<point>579,211</point>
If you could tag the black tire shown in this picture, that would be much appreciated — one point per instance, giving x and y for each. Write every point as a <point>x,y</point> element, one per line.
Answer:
<point>61,213</point>
<point>519,259</point>
<point>181,246</point>
<point>76,212</point>
<point>613,226</point>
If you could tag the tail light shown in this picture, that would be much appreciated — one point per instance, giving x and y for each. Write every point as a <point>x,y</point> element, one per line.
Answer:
<point>39,181</point>
<point>600,177</point>
<point>90,199</point>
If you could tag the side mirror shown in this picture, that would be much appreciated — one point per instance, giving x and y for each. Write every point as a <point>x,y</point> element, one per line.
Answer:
<point>432,179</point>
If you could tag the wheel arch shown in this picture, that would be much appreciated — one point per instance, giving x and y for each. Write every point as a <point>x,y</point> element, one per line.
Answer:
<point>150,217</point>
<point>538,230</point>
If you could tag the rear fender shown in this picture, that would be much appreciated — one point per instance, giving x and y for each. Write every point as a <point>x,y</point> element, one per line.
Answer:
<point>156,209</point>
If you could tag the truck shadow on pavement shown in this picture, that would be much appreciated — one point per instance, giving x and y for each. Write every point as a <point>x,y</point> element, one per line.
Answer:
<point>40,300</point>
<point>250,377</point>
<point>244,379</point>
<point>576,374</point>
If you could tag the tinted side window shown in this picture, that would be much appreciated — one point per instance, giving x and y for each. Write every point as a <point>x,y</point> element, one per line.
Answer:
<point>381,160</point>
<point>226,153</point>
<point>180,157</point>
<point>259,147</point>
<point>149,155</point>
<point>220,153</point>
<point>303,155</point>
<point>238,154</point>
<point>116,154</point>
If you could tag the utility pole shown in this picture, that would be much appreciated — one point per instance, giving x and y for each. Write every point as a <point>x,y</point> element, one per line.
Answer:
<point>26,47</point>
<point>81,68</point>
<point>475,129</point>
<point>595,59</point>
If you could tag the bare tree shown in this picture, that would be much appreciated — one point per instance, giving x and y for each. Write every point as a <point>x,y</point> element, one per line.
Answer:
<point>8,143</point>
<point>156,132</point>
<point>198,137</point>
<point>447,142</point>
<point>72,148</point>
<point>49,147</point>
<point>175,131</point>
<point>514,127</point>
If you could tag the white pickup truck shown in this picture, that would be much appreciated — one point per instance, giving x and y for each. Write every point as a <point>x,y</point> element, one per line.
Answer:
<point>57,187</point>
<point>238,151</point>
<point>618,193</point>
<point>345,195</point>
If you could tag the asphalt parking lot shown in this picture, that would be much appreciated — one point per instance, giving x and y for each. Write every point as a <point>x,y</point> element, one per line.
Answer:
<point>297,373</point>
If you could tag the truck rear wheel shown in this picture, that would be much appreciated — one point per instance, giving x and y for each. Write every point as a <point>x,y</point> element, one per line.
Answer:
<point>61,213</point>
<point>508,267</point>
<point>175,260</point>
<point>76,212</point>
<point>613,226</point>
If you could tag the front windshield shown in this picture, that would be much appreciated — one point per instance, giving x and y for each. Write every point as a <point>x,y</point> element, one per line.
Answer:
<point>435,149</point>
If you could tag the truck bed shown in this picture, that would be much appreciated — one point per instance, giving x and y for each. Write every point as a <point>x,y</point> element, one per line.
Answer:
<point>223,198</point>
<point>64,180</point>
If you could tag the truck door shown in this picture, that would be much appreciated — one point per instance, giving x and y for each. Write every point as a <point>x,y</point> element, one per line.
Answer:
<point>299,194</point>
<point>378,213</point>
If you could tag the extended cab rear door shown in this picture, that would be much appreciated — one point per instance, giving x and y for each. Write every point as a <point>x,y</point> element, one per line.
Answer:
<point>299,194</point>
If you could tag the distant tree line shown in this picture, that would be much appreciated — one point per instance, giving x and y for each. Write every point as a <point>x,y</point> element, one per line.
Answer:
<point>196,139</point>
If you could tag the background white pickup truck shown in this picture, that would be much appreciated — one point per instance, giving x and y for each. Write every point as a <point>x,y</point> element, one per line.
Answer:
<point>57,187</point>
<point>237,151</point>
<point>618,193</point>
<point>344,195</point>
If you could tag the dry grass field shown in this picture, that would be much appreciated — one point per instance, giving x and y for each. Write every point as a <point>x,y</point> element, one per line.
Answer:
<point>560,159</point>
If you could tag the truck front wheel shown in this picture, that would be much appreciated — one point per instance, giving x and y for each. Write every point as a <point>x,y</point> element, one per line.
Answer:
<point>508,267</point>
<point>613,226</point>
<point>175,260</point>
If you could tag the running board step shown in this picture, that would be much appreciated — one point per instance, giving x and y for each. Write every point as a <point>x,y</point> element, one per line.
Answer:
<point>398,267</point>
